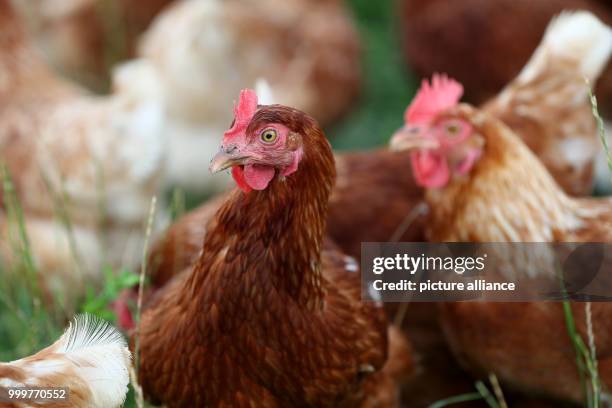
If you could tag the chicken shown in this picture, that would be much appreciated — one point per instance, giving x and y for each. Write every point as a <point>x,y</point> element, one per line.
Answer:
<point>82,168</point>
<point>265,316</point>
<point>484,185</point>
<point>485,43</point>
<point>90,360</point>
<point>84,38</point>
<point>307,50</point>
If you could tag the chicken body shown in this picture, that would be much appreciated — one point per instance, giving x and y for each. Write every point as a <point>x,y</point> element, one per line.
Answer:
<point>307,51</point>
<point>82,168</point>
<point>264,317</point>
<point>91,359</point>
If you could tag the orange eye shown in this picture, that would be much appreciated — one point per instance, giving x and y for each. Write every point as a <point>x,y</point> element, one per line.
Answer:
<point>269,136</point>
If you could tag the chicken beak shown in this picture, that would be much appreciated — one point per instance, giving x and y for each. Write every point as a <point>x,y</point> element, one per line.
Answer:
<point>224,159</point>
<point>405,139</point>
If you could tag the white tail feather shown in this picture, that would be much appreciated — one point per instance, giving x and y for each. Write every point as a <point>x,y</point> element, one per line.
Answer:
<point>265,96</point>
<point>577,36</point>
<point>86,331</point>
<point>91,357</point>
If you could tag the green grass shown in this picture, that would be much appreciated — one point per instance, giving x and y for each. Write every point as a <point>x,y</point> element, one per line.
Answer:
<point>21,297</point>
<point>586,357</point>
<point>493,399</point>
<point>387,87</point>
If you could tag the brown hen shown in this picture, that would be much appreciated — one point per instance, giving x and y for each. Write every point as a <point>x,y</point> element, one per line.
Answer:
<point>484,185</point>
<point>264,317</point>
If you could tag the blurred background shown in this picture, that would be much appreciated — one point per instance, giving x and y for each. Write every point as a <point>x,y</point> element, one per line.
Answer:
<point>107,103</point>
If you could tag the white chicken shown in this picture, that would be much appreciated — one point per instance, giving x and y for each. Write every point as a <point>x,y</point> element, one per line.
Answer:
<point>84,168</point>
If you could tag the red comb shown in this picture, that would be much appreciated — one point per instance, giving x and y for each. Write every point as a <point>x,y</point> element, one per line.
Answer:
<point>443,93</point>
<point>243,113</point>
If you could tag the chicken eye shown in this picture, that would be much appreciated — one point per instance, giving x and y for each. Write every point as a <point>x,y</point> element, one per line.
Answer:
<point>269,136</point>
<point>453,129</point>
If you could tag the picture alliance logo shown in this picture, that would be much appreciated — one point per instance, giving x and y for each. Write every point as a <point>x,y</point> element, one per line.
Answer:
<point>424,263</point>
<point>536,270</point>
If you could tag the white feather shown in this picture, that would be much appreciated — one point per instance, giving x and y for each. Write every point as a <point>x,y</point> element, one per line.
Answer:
<point>265,95</point>
<point>577,36</point>
<point>90,352</point>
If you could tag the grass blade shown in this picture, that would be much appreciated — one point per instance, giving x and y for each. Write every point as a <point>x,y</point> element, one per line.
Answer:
<point>486,394</point>
<point>472,396</point>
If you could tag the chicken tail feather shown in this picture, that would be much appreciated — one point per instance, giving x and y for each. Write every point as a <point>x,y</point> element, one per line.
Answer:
<point>576,36</point>
<point>90,359</point>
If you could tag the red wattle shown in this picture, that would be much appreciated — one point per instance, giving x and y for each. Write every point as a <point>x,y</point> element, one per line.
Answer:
<point>258,177</point>
<point>253,177</point>
<point>430,169</point>
<point>238,175</point>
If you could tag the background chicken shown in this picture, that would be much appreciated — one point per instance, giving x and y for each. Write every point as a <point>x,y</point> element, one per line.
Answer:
<point>484,185</point>
<point>91,359</point>
<point>84,38</point>
<point>308,51</point>
<point>83,169</point>
<point>248,328</point>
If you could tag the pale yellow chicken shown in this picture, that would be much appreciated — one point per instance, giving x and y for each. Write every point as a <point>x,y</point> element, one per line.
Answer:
<point>83,168</point>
